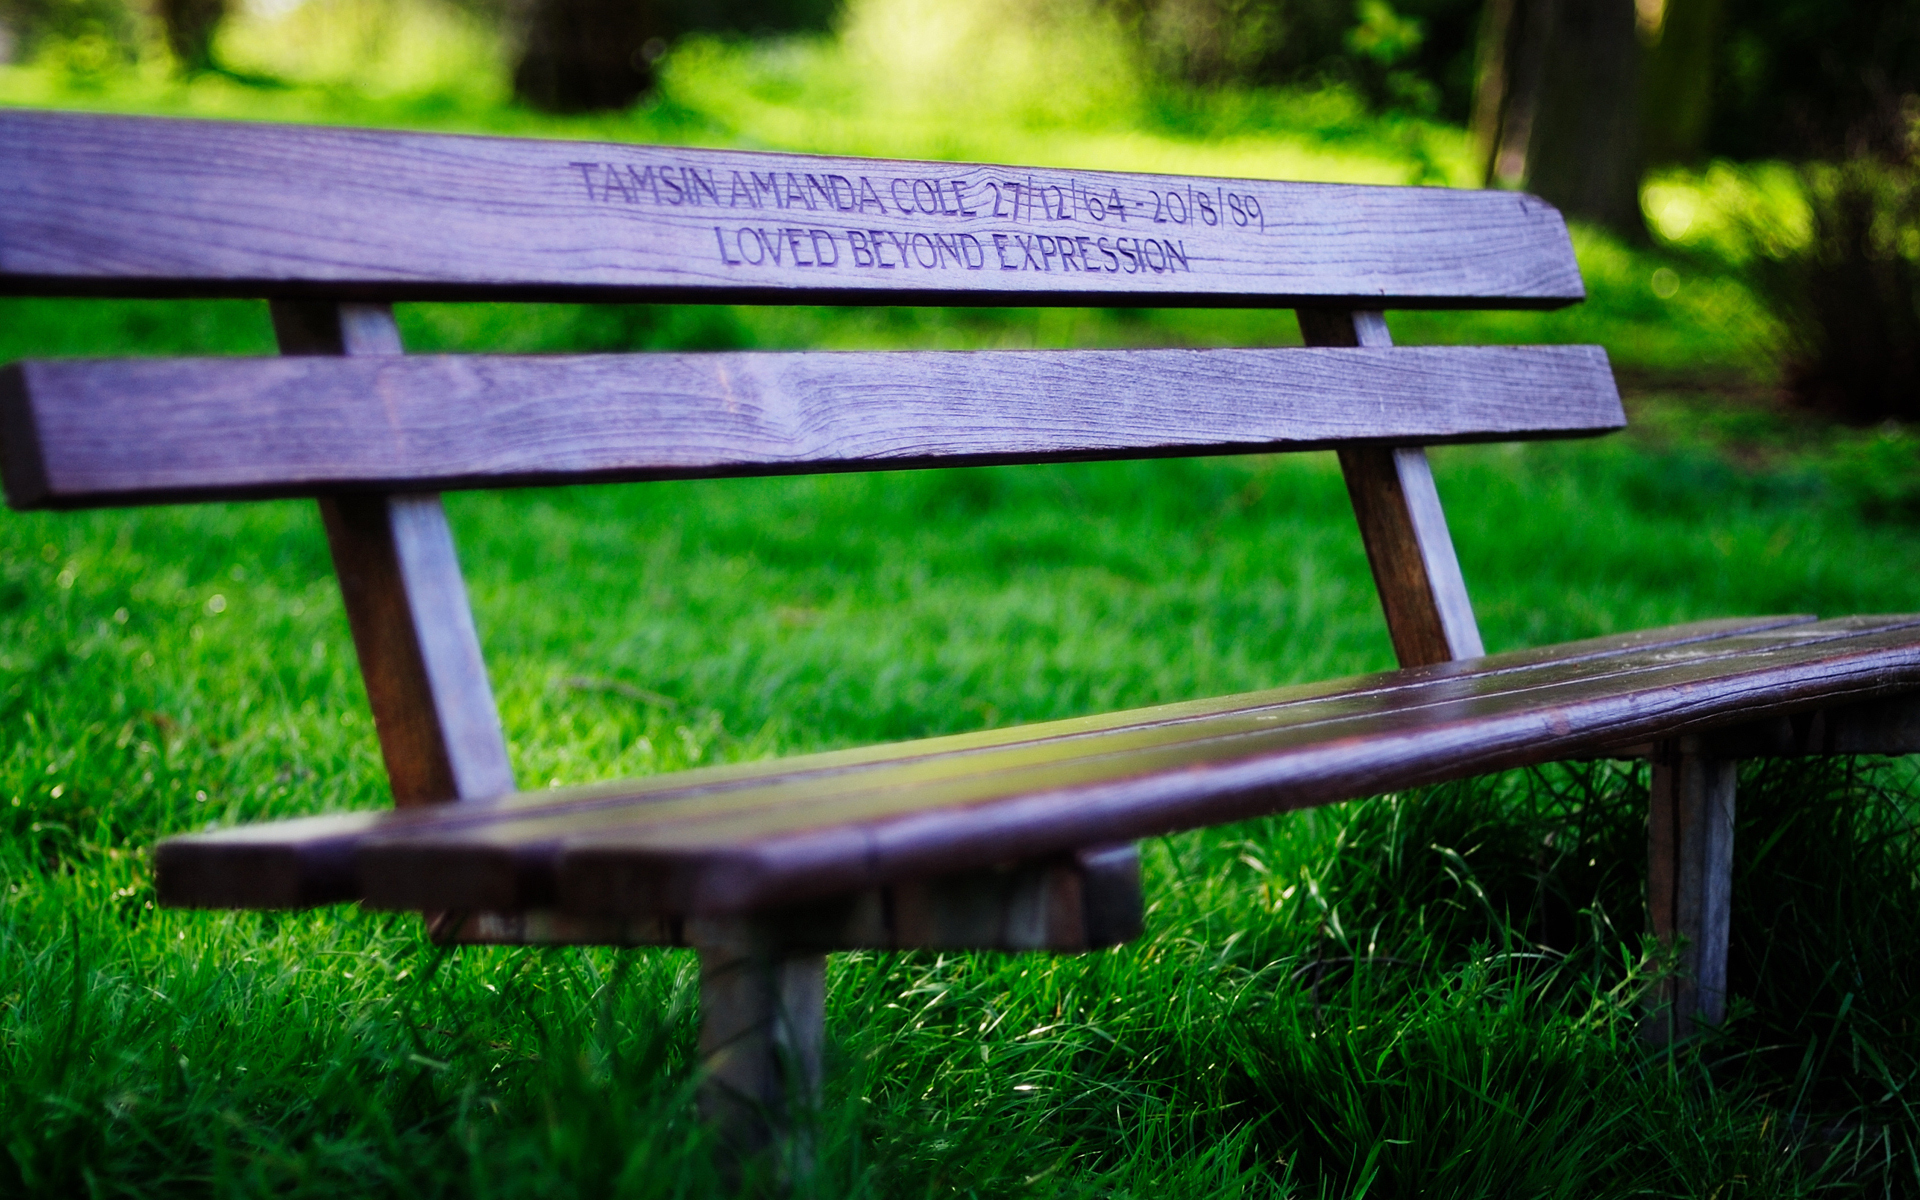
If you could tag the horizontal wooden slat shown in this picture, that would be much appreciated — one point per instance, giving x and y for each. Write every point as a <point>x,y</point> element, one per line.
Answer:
<point>310,860</point>
<point>141,206</point>
<point>821,822</point>
<point>507,859</point>
<point>117,431</point>
<point>768,858</point>
<point>1082,901</point>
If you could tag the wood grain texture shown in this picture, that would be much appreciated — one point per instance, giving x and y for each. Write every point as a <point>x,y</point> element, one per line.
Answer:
<point>107,205</point>
<point>735,865</point>
<point>406,602</point>
<point>709,849</point>
<point>311,861</point>
<point>419,652</point>
<point>1409,549</point>
<point>1690,883</point>
<point>1064,904</point>
<point>108,432</point>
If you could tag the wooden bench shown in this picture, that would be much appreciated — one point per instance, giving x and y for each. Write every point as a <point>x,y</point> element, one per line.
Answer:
<point>1016,839</point>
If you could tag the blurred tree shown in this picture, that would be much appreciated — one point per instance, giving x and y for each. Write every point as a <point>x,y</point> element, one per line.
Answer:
<point>190,26</point>
<point>1682,39</point>
<point>586,55</point>
<point>1836,85</point>
<point>1558,107</point>
<point>1850,298</point>
<point>1413,54</point>
<point>1823,79</point>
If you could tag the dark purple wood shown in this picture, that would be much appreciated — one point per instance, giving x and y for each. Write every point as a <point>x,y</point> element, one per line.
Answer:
<point>1392,729</point>
<point>1422,593</point>
<point>1063,903</point>
<point>1690,884</point>
<point>108,205</point>
<point>311,861</point>
<point>1889,727</point>
<point>119,431</point>
<point>406,602</point>
<point>419,653</point>
<point>723,866</point>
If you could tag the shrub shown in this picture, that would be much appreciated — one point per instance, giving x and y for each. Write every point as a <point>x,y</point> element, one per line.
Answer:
<point>1849,297</point>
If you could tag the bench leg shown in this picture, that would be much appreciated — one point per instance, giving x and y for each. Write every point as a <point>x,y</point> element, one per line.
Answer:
<point>762,1026</point>
<point>1690,883</point>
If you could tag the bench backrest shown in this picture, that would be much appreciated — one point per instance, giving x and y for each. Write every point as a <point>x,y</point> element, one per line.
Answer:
<point>142,206</point>
<point>333,225</point>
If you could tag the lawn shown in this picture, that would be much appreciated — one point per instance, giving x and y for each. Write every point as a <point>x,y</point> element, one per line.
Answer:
<point>1429,994</point>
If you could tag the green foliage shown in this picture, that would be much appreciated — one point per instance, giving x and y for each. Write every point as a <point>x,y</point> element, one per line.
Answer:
<point>1850,297</point>
<point>1431,993</point>
<point>1417,57</point>
<point>87,41</point>
<point>1795,79</point>
<point>1880,472</point>
<point>1833,249</point>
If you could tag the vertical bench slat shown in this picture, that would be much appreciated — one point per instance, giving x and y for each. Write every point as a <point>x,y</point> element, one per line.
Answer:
<point>406,603</point>
<point>1429,615</point>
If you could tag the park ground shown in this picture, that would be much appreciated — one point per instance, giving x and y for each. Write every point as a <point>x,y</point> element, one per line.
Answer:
<point>1432,993</point>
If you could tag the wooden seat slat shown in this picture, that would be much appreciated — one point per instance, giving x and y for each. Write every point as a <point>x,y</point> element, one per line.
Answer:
<point>1206,736</point>
<point>308,860</point>
<point>506,858</point>
<point>737,871</point>
<point>82,433</point>
<point>835,817</point>
<point>97,205</point>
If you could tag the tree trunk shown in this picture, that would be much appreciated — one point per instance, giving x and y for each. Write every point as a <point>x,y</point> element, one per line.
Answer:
<point>190,26</point>
<point>586,55</point>
<point>1681,37</point>
<point>1558,106</point>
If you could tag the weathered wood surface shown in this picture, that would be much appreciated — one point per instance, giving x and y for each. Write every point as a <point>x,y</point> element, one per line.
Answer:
<point>1429,616</point>
<point>1690,883</point>
<point>419,653</point>
<point>717,844</point>
<point>1065,903</point>
<point>1410,551</point>
<point>406,602</point>
<point>105,432</point>
<point>107,205</point>
<point>310,860</point>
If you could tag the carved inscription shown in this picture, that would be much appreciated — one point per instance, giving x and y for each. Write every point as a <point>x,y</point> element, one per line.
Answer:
<point>883,222</point>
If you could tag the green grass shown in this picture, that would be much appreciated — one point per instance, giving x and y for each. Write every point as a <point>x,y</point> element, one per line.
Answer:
<point>1482,1045</point>
<point>1432,994</point>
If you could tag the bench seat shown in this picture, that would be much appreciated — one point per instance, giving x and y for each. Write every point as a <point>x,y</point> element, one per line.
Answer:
<point>755,837</point>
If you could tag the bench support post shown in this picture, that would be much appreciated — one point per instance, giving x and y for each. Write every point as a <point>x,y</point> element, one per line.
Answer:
<point>762,1034</point>
<point>406,602</point>
<point>1690,883</point>
<point>1414,566</point>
